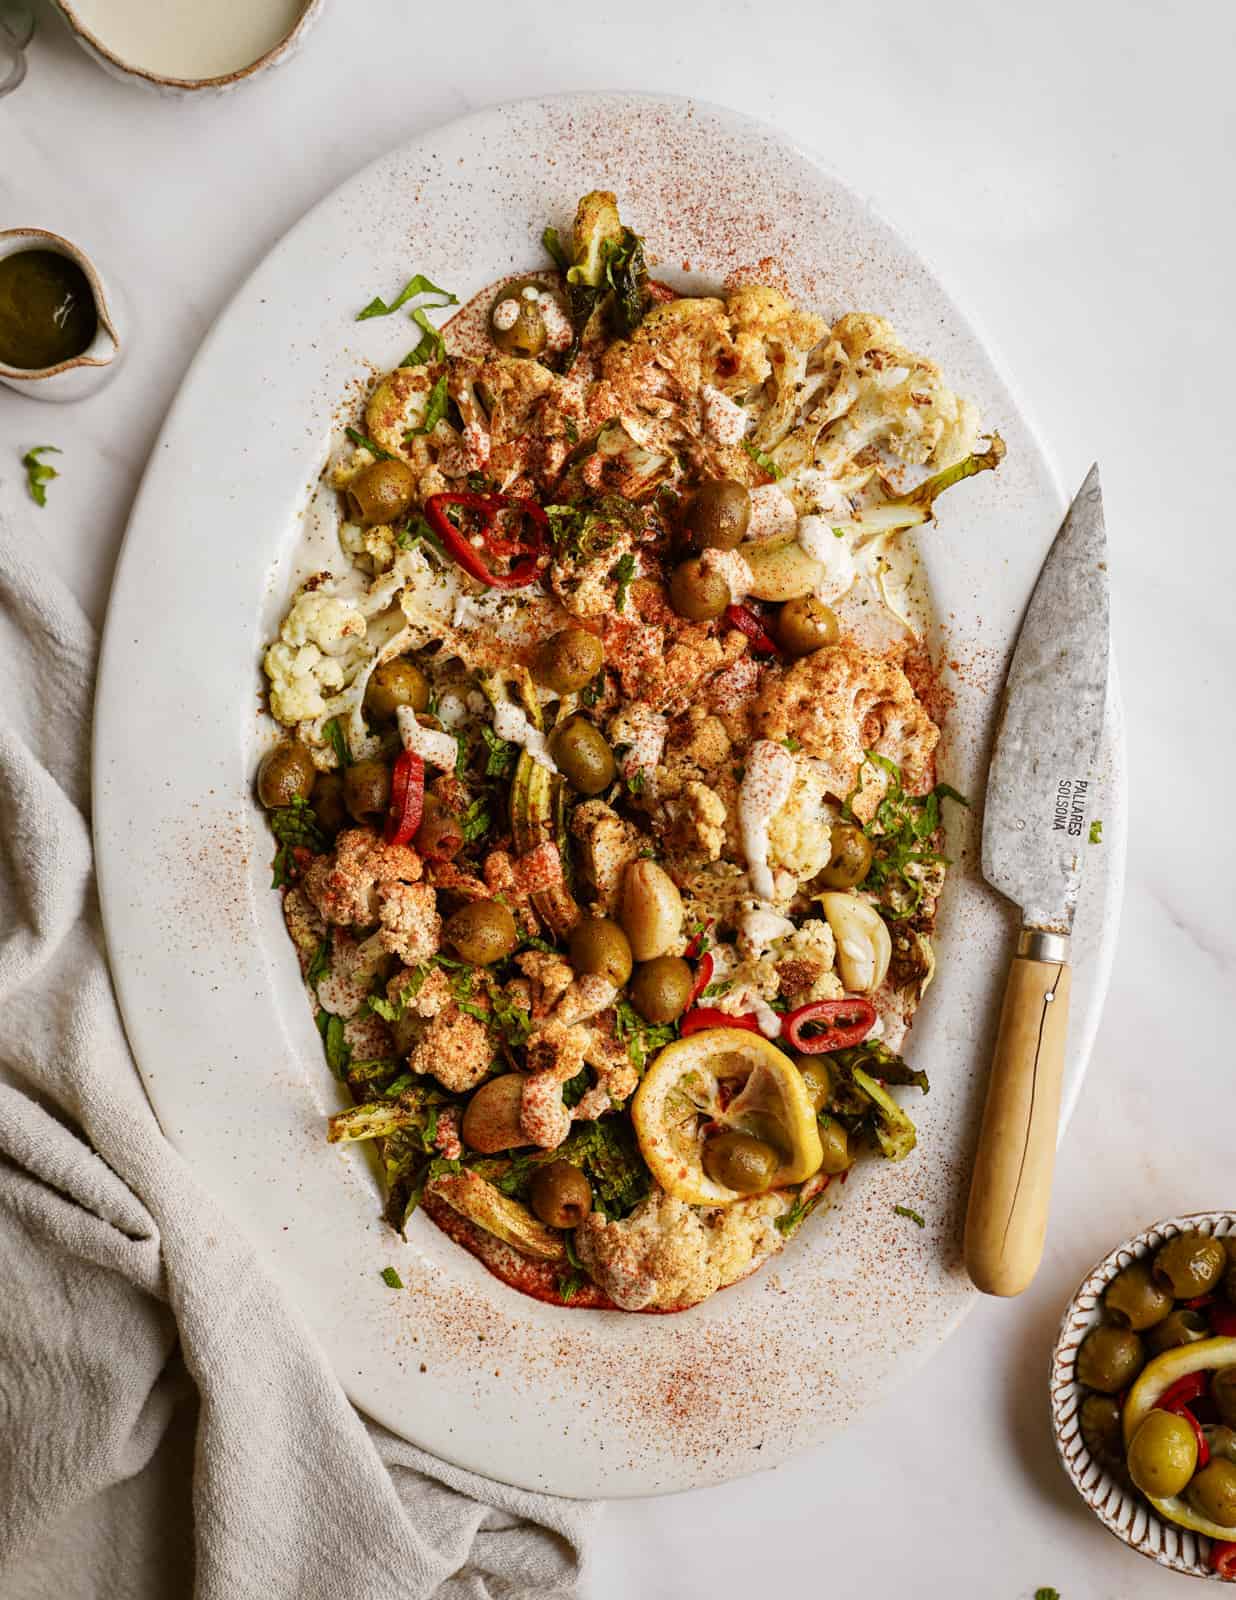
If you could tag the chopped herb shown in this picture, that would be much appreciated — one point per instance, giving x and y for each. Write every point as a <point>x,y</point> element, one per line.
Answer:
<point>432,346</point>
<point>320,964</point>
<point>622,572</point>
<point>571,431</point>
<point>476,821</point>
<point>585,529</point>
<point>553,249</point>
<point>393,1090</point>
<point>366,443</point>
<point>791,743</point>
<point>417,532</point>
<point>338,1054</point>
<point>635,783</point>
<point>510,1022</point>
<point>338,741</point>
<point>391,1278</point>
<point>574,1089</point>
<point>626,275</point>
<point>435,410</point>
<point>568,1239</point>
<point>641,1038</point>
<point>1096,833</point>
<point>715,989</point>
<point>789,1220</point>
<point>592,692</point>
<point>38,473</point>
<point>500,753</point>
<point>1046,1594</point>
<point>904,1211</point>
<point>532,942</point>
<point>570,1285</point>
<point>416,285</point>
<point>296,828</point>
<point>461,754</point>
<point>762,460</point>
<point>901,833</point>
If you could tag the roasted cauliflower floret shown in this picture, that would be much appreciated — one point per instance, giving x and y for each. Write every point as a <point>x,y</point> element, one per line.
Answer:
<point>344,886</point>
<point>667,1253</point>
<point>320,640</point>
<point>799,835</point>
<point>804,964</point>
<point>696,822</point>
<point>455,1050</point>
<point>841,702</point>
<point>410,925</point>
<point>607,843</point>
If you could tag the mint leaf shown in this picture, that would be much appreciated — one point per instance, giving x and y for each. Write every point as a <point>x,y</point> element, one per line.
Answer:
<point>432,346</point>
<point>435,410</point>
<point>338,741</point>
<point>391,1278</point>
<point>416,285</point>
<point>1096,833</point>
<point>366,443</point>
<point>904,1211</point>
<point>763,461</point>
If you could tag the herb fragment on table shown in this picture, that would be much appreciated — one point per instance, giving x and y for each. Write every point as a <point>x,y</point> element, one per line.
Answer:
<point>905,1211</point>
<point>391,1278</point>
<point>1096,833</point>
<point>38,473</point>
<point>418,284</point>
<point>1047,1594</point>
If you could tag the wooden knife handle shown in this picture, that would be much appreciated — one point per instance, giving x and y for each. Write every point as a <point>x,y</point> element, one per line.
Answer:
<point>1010,1192</point>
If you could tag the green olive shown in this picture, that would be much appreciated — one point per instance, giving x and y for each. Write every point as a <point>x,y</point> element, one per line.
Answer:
<point>381,492</point>
<point>1223,1393</point>
<point>740,1162</point>
<point>569,660</point>
<point>806,625</point>
<point>835,1143</point>
<point>598,945</point>
<point>1134,1300</point>
<point>850,860</point>
<point>367,791</point>
<point>1109,1359</point>
<point>393,684</point>
<point>717,515</point>
<point>1181,1327</point>
<point>1212,1494</point>
<point>1101,1429</point>
<point>817,1074</point>
<point>286,773</point>
<point>328,802</point>
<point>660,988</point>
<point>696,593</point>
<point>1190,1264</point>
<point>561,1196</point>
<point>582,756</point>
<point>1222,1441</point>
<point>440,835</point>
<point>521,332</point>
<point>1162,1455</point>
<point>482,932</point>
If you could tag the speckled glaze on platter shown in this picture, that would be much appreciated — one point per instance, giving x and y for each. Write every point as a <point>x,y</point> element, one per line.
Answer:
<point>579,1402</point>
<point>1122,1513</point>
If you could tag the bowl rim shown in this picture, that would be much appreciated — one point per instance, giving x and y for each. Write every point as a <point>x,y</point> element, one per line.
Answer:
<point>1123,1513</point>
<point>308,11</point>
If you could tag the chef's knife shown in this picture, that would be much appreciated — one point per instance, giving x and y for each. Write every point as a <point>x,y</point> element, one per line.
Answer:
<point>1036,828</point>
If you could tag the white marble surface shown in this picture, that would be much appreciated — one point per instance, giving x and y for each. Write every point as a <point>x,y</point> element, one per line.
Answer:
<point>1067,167</point>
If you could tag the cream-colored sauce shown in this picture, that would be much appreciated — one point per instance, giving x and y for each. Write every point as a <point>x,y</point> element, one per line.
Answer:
<point>186,38</point>
<point>765,787</point>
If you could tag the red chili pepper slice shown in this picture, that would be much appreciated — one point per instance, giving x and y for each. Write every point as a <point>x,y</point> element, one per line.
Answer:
<point>696,947</point>
<point>1223,1321</point>
<point>746,621</point>
<point>709,1017</point>
<point>407,798</point>
<point>1179,1409</point>
<point>841,1023</point>
<point>1223,1559</point>
<point>524,569</point>
<point>703,977</point>
<point>1183,1391</point>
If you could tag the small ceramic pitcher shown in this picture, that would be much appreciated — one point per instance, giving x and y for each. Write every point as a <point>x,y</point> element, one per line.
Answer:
<point>67,380</point>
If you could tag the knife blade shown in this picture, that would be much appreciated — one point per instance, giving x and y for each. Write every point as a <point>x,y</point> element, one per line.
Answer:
<point>1035,830</point>
<point>1039,785</point>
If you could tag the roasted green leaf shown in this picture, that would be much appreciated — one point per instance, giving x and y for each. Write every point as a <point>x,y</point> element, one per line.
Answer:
<point>418,284</point>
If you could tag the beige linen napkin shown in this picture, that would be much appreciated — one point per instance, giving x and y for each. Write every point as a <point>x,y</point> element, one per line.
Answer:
<point>167,1425</point>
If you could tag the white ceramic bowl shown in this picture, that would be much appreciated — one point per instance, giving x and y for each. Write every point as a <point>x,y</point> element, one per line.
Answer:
<point>1121,1511</point>
<point>113,63</point>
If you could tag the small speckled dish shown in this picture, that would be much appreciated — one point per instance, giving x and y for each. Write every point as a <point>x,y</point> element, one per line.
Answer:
<point>1121,1512</point>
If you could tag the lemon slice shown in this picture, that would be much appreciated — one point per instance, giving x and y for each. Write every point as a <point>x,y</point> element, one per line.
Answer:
<point>1156,1378</point>
<point>722,1078</point>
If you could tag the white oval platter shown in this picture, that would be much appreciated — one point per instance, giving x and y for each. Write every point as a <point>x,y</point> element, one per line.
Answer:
<point>583,1403</point>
